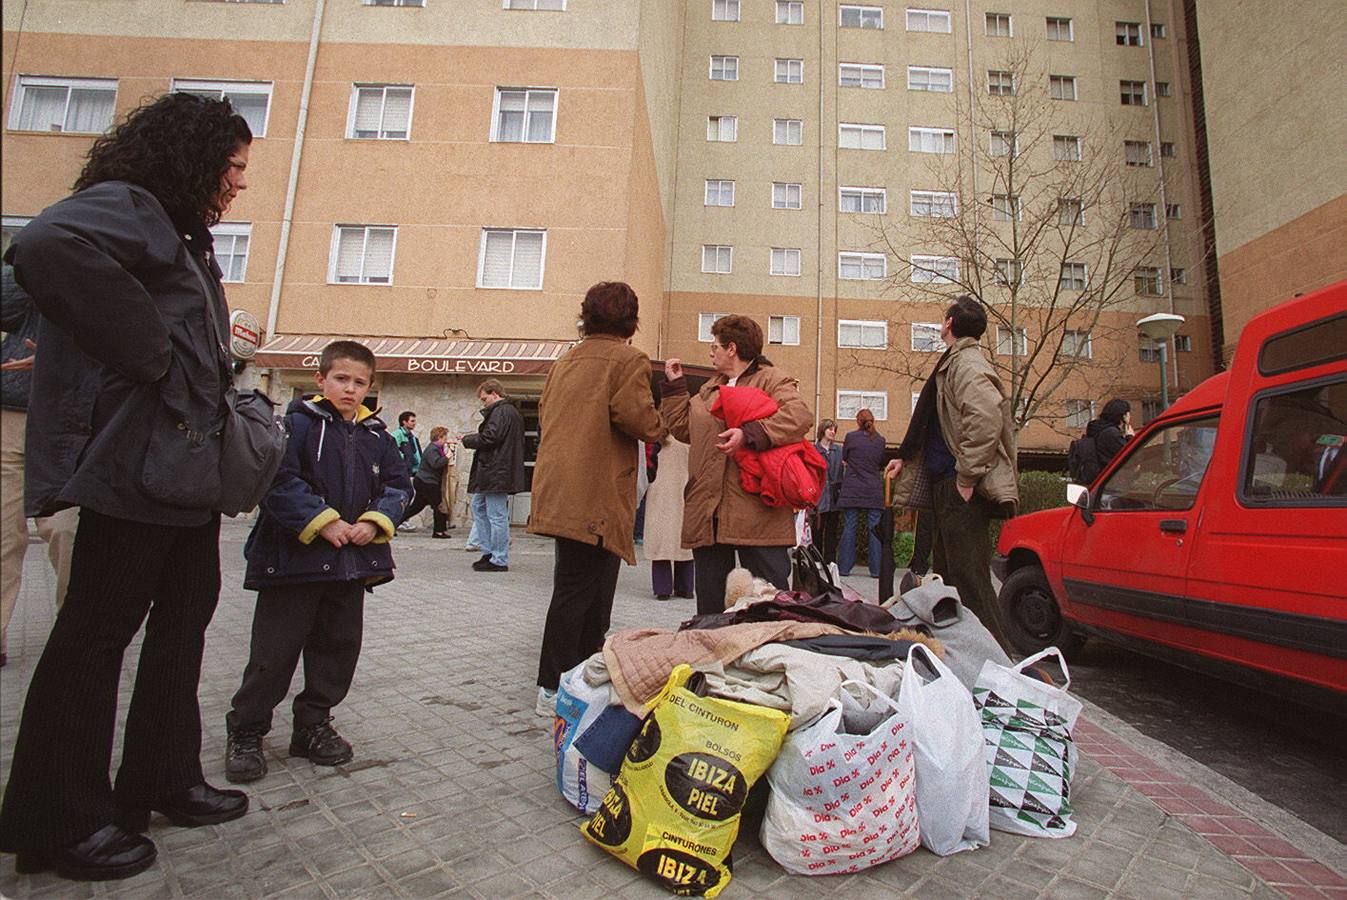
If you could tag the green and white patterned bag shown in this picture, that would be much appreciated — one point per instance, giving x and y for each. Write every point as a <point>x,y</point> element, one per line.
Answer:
<point>1026,727</point>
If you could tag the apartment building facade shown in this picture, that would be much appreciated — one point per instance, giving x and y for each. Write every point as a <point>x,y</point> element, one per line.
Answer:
<point>445,179</point>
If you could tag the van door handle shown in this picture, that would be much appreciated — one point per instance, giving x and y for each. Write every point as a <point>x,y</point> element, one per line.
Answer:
<point>1174,526</point>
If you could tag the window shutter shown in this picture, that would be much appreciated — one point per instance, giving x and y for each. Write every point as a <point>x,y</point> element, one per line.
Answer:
<point>379,256</point>
<point>528,260</point>
<point>350,250</point>
<point>540,106</point>
<point>368,106</point>
<point>496,259</point>
<point>397,112</point>
<point>511,127</point>
<point>253,108</point>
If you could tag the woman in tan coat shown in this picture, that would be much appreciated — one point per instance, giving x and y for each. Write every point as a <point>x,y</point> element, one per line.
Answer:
<point>721,520</point>
<point>595,407</point>
<point>671,567</point>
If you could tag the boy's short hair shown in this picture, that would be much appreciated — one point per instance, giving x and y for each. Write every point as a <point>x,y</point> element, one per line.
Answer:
<point>491,386</point>
<point>352,350</point>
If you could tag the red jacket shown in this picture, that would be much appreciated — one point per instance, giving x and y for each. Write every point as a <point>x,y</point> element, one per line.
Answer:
<point>790,475</point>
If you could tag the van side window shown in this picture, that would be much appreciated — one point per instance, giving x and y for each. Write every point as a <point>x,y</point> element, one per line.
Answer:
<point>1296,450</point>
<point>1165,471</point>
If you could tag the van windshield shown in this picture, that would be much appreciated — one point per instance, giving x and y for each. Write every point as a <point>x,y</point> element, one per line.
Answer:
<point>1164,471</point>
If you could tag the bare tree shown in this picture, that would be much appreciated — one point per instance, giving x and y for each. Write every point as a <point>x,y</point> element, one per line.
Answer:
<point>1046,216</point>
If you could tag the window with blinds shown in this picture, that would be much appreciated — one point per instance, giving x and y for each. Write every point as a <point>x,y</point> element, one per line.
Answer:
<point>786,195</point>
<point>789,71</point>
<point>862,266</point>
<point>937,20</point>
<point>722,128</point>
<point>719,192</point>
<point>788,131</point>
<point>930,140</point>
<point>704,323</point>
<point>250,99</point>
<point>860,137</point>
<point>926,78</point>
<point>525,115</point>
<point>717,259</point>
<point>862,200</point>
<point>860,75</point>
<point>849,403</point>
<point>381,112</point>
<point>231,248</point>
<point>933,204</point>
<point>512,258</point>
<point>785,261</point>
<point>926,337</point>
<point>363,254</point>
<point>935,269</point>
<point>783,330</point>
<point>863,334</point>
<point>67,105</point>
<point>553,5</point>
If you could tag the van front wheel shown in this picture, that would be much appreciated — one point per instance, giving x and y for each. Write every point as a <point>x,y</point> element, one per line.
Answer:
<point>1031,617</point>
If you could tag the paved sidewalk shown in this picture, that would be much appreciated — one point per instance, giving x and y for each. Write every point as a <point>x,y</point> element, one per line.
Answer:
<point>452,790</point>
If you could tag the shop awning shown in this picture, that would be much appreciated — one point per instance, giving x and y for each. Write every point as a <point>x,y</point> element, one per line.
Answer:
<point>421,356</point>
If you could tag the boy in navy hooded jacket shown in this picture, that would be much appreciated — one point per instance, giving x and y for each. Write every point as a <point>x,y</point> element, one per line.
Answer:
<point>320,542</point>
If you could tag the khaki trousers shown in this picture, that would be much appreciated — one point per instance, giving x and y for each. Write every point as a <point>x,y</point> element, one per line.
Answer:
<point>58,531</point>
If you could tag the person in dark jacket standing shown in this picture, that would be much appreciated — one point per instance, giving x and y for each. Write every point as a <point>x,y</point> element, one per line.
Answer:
<point>862,492</point>
<point>1111,431</point>
<point>428,482</point>
<point>827,515</point>
<point>320,542</point>
<point>124,266</point>
<point>497,472</point>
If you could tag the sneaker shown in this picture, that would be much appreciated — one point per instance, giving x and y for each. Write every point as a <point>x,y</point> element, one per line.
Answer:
<point>547,703</point>
<point>486,565</point>
<point>321,744</point>
<point>407,526</point>
<point>472,548</point>
<point>244,759</point>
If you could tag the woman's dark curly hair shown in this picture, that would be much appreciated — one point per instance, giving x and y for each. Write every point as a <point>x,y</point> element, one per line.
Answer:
<point>176,147</point>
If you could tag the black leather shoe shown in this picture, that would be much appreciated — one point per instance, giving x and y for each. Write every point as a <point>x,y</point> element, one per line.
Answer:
<point>201,805</point>
<point>486,565</point>
<point>244,759</point>
<point>107,854</point>
<point>321,744</point>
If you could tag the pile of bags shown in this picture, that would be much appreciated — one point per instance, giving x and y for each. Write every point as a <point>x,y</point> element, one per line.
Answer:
<point>870,745</point>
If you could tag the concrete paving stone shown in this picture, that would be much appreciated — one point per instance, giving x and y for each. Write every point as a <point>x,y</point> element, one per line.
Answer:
<point>934,887</point>
<point>1100,864</point>
<point>1063,888</point>
<point>508,883</point>
<point>433,883</point>
<point>236,889</point>
<point>482,864</point>
<point>361,881</point>
<point>311,891</point>
<point>547,869</point>
<point>1119,837</point>
<point>577,886</point>
<point>1047,852</point>
<point>963,868</point>
<point>1139,885</point>
<point>1004,888</point>
<point>1022,871</point>
<point>894,877</point>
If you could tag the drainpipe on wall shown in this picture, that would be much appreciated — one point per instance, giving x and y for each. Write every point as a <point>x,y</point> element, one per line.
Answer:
<point>975,206</point>
<point>818,252</point>
<point>287,217</point>
<point>1160,168</point>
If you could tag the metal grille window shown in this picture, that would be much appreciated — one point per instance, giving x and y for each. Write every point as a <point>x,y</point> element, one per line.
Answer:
<point>1158,30</point>
<point>1000,83</point>
<point>926,78</point>
<point>1141,215</point>
<point>363,254</point>
<point>861,76</point>
<point>722,128</point>
<point>1163,89</point>
<point>937,20</point>
<point>863,334</point>
<point>930,140</point>
<point>789,71</point>
<point>1168,150</point>
<point>250,99</point>
<point>1066,147</point>
<point>1070,211</point>
<point>1137,153</point>
<point>68,105</point>
<point>789,13</point>
<point>231,248</point>
<point>1062,87</point>
<point>381,112</point>
<point>783,330</point>
<point>863,200</point>
<point>997,24</point>
<point>1127,34</point>
<point>862,266</point>
<point>717,259</point>
<point>719,192</point>
<point>512,258</point>
<point>787,131</point>
<point>1148,281</point>
<point>1173,211</point>
<point>1059,29</point>
<point>1077,343</point>
<point>934,204</point>
<point>935,270</point>
<point>785,261</point>
<point>785,195</point>
<point>1073,277</point>
<point>1178,276</point>
<point>725,10</point>
<point>1133,93</point>
<point>1183,343</point>
<point>724,68</point>
<point>860,17</point>
<point>860,137</point>
<point>849,403</point>
<point>926,337</point>
<point>526,115</point>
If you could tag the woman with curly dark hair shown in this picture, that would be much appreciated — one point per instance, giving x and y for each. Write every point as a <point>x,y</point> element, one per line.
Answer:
<point>124,266</point>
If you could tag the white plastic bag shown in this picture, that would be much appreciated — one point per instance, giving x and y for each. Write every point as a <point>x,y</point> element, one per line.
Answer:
<point>843,801</point>
<point>1026,725</point>
<point>952,775</point>
<point>578,706</point>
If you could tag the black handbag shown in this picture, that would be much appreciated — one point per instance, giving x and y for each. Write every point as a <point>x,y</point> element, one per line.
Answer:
<point>809,572</point>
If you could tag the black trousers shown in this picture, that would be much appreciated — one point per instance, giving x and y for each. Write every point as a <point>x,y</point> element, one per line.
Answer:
<point>584,580</point>
<point>716,561</point>
<point>325,622</point>
<point>427,495</point>
<point>962,549</point>
<point>120,571</point>
<point>827,531</point>
<point>922,541</point>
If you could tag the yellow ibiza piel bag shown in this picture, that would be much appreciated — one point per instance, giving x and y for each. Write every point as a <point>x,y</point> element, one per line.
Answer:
<point>673,810</point>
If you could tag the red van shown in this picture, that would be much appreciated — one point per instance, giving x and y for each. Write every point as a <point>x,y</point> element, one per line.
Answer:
<point>1217,538</point>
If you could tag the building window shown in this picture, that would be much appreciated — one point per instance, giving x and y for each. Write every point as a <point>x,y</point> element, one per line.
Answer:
<point>554,5</point>
<point>1178,276</point>
<point>861,76</point>
<point>1163,89</point>
<point>395,2</point>
<point>997,25</point>
<point>789,13</point>
<point>1149,409</point>
<point>1173,211</point>
<point>1000,83</point>
<point>512,258</point>
<point>937,20</point>
<point>719,192</point>
<point>362,254</point>
<point>1066,147</point>
<point>1148,351</point>
<point>849,403</point>
<point>785,261</point>
<point>1077,343</point>
<point>926,337</point>
<point>930,140</point>
<point>785,196</point>
<point>1137,153</point>
<point>1059,29</point>
<point>1168,150</point>
<point>1148,281</point>
<point>860,17</point>
<point>380,111</point>
<point>704,323</point>
<point>1183,343</point>
<point>1158,30</point>
<point>717,259</point>
<point>1009,272</point>
<point>724,68</point>
<point>1074,277</point>
<point>860,137</point>
<point>67,105</point>
<point>1141,215</point>
<point>926,78</point>
<point>788,131</point>
<point>231,248</point>
<point>1079,413</point>
<point>1003,143</point>
<point>1062,87</point>
<point>1127,34</point>
<point>862,266</point>
<point>933,204</point>
<point>789,71</point>
<point>783,330</point>
<point>722,128</point>
<point>863,200</point>
<point>1004,345</point>
<point>934,270</point>
<point>1006,207</point>
<point>526,115</point>
<point>1070,211</point>
<point>250,99</point>
<point>725,10</point>
<point>863,334</point>
<point>1133,93</point>
<point>9,227</point>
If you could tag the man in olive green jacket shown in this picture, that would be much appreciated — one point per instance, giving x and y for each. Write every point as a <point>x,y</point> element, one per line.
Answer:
<point>962,442</point>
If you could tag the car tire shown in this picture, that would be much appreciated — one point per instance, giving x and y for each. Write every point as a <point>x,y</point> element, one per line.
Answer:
<point>1030,616</point>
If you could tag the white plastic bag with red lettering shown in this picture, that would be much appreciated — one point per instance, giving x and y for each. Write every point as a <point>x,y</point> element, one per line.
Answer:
<point>844,789</point>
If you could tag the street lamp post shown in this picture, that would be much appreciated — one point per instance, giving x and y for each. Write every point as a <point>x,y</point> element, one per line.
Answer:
<point>1160,328</point>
